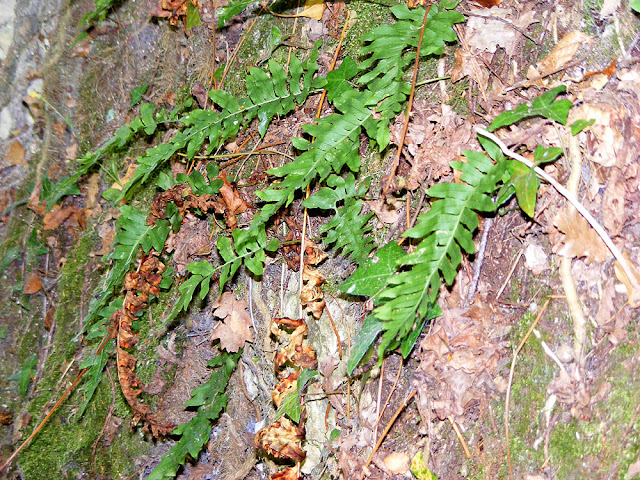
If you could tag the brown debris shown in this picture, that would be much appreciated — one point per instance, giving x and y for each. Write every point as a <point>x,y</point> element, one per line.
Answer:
<point>138,286</point>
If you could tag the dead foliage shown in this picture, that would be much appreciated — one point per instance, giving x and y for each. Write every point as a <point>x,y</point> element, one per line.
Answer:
<point>138,286</point>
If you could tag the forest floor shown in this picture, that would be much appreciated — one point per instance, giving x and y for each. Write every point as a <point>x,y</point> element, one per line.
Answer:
<point>531,370</point>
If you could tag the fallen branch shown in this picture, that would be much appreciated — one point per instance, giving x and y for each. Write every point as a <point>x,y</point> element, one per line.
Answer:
<point>628,270</point>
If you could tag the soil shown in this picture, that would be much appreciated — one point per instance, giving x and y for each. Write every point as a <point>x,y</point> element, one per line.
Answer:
<point>573,404</point>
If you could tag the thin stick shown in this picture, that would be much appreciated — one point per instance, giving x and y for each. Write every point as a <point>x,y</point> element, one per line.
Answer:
<point>480,260</point>
<point>575,202</point>
<point>513,268</point>
<point>389,425</point>
<point>237,49</point>
<point>55,407</point>
<point>511,370</point>
<point>393,388</point>
<point>456,429</point>
<point>409,106</point>
<point>380,381</point>
<point>335,330</point>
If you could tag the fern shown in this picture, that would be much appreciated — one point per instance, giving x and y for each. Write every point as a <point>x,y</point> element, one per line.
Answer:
<point>211,401</point>
<point>267,96</point>
<point>348,229</point>
<point>133,234</point>
<point>445,232</point>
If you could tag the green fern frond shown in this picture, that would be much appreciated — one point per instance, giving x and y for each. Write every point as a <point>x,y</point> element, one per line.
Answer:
<point>211,400</point>
<point>445,231</point>
<point>389,47</point>
<point>347,230</point>
<point>267,96</point>
<point>133,234</point>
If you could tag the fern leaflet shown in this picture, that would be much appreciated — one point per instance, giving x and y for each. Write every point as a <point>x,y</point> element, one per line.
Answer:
<point>348,229</point>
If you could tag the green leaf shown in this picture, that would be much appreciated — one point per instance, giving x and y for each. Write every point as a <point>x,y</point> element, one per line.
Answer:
<point>444,233</point>
<point>525,183</point>
<point>235,7</point>
<point>635,4</point>
<point>419,469</point>
<point>542,106</point>
<point>25,374</point>
<point>372,275</point>
<point>543,155</point>
<point>137,93</point>
<point>291,404</point>
<point>93,377</point>
<point>371,328</point>
<point>193,16</point>
<point>579,125</point>
<point>12,255</point>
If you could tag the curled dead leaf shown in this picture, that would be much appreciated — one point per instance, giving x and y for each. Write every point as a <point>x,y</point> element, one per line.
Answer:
<point>283,440</point>
<point>311,295</point>
<point>560,56</point>
<point>287,385</point>
<point>291,473</point>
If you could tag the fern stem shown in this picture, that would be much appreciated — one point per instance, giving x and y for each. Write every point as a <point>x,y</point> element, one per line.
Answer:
<point>409,105</point>
<point>578,206</point>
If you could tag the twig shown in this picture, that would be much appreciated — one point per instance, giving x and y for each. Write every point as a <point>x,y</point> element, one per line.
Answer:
<point>388,427</point>
<point>479,261</point>
<point>456,429</point>
<point>508,396</point>
<point>237,49</point>
<point>378,403</point>
<point>335,330</point>
<point>575,202</point>
<point>409,105</point>
<point>513,267</point>
<point>393,388</point>
<point>55,407</point>
<point>575,309</point>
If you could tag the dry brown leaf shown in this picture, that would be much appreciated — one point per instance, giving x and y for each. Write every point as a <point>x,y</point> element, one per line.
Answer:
<point>312,9</point>
<point>614,213</point>
<point>287,385</point>
<point>468,64</point>
<point>311,295</point>
<point>234,203</point>
<point>387,211</point>
<point>283,439</point>
<point>560,56</point>
<point>58,216</point>
<point>236,327</point>
<point>34,200</point>
<point>580,239</point>
<point>93,189</point>
<point>49,318</point>
<point>489,29</point>
<point>32,284</point>
<point>15,154</point>
<point>6,417</point>
<point>291,473</point>
<point>191,240</point>
<point>131,170</point>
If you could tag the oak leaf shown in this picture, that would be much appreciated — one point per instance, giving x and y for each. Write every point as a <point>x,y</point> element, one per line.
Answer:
<point>235,330</point>
<point>580,240</point>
